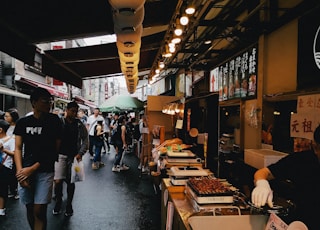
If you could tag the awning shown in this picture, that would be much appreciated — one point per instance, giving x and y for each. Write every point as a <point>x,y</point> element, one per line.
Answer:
<point>14,93</point>
<point>85,101</point>
<point>51,90</point>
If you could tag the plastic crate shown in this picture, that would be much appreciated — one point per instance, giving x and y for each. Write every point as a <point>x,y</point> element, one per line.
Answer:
<point>260,158</point>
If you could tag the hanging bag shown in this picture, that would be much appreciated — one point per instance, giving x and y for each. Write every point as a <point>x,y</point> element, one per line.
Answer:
<point>77,171</point>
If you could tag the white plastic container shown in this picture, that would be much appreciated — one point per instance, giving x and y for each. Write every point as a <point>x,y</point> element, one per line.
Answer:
<point>260,158</point>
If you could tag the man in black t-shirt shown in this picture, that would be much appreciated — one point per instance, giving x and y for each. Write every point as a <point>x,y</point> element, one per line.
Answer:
<point>40,134</point>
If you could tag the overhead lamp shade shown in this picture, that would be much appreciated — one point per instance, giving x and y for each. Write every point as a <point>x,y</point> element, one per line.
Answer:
<point>132,81</point>
<point>130,76</point>
<point>126,6</point>
<point>129,64</point>
<point>129,36</point>
<point>122,21</point>
<point>125,58</point>
<point>132,47</point>
<point>126,71</point>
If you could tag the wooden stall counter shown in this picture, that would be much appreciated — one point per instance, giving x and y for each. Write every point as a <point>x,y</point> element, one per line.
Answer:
<point>174,202</point>
<point>177,209</point>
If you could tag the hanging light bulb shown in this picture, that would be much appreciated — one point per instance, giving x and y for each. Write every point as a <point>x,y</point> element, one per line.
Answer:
<point>172,49</point>
<point>176,40</point>
<point>178,31</point>
<point>161,65</point>
<point>184,20</point>
<point>190,10</point>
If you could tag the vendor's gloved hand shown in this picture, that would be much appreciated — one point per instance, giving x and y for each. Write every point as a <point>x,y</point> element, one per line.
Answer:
<point>262,194</point>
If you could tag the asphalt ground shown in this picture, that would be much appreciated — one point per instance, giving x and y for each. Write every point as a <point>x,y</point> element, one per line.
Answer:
<point>105,200</point>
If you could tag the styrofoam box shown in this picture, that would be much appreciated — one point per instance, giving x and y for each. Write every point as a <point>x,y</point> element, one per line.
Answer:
<point>260,158</point>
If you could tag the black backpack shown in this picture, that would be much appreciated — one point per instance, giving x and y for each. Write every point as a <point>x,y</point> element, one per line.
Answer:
<point>136,132</point>
<point>116,134</point>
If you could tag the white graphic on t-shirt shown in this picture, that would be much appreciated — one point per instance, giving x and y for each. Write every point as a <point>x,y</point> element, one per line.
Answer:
<point>34,130</point>
<point>316,53</point>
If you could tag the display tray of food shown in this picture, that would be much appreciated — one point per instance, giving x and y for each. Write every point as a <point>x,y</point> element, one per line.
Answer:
<point>180,160</point>
<point>178,180</point>
<point>184,171</point>
<point>209,190</point>
<point>181,153</point>
<point>228,222</point>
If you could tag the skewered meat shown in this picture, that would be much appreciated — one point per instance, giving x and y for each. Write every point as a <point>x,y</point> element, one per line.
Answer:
<point>207,186</point>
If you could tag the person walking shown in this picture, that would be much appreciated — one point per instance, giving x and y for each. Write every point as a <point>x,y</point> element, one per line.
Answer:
<point>301,170</point>
<point>106,134</point>
<point>40,134</point>
<point>74,144</point>
<point>143,143</point>
<point>113,127</point>
<point>91,123</point>
<point>11,116</point>
<point>98,142</point>
<point>7,145</point>
<point>121,145</point>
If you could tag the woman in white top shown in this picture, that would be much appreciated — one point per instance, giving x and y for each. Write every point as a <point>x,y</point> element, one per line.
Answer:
<point>11,116</point>
<point>7,145</point>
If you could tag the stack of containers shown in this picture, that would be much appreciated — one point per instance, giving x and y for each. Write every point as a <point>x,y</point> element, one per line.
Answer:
<point>128,16</point>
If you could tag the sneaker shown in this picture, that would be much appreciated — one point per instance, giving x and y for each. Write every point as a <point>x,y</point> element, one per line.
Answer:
<point>143,169</point>
<point>2,212</point>
<point>115,169</point>
<point>69,211</point>
<point>101,164</point>
<point>124,168</point>
<point>10,195</point>
<point>57,208</point>
<point>95,166</point>
<point>56,211</point>
<point>140,165</point>
<point>17,197</point>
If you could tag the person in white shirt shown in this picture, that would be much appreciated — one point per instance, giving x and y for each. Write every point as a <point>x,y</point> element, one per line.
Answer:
<point>7,146</point>
<point>91,123</point>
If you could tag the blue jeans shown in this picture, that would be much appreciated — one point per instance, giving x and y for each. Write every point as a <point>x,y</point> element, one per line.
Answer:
<point>118,156</point>
<point>97,150</point>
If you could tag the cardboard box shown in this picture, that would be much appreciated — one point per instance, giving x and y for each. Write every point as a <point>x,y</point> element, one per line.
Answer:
<point>260,158</point>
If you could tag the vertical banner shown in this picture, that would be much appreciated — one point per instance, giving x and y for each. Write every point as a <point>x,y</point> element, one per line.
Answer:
<point>214,87</point>
<point>237,77</point>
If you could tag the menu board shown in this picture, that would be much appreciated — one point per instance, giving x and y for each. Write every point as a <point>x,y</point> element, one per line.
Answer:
<point>236,78</point>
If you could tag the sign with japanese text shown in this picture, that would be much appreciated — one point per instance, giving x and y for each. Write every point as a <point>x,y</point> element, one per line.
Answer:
<point>237,77</point>
<point>307,118</point>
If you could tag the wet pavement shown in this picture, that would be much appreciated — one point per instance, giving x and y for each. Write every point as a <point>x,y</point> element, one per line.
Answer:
<point>105,200</point>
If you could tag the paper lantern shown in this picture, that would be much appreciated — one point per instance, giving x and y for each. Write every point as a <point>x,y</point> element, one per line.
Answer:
<point>122,21</point>
<point>125,58</point>
<point>129,71</point>
<point>132,47</point>
<point>127,36</point>
<point>126,6</point>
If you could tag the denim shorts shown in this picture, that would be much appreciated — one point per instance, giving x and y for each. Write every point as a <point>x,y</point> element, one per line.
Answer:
<point>40,191</point>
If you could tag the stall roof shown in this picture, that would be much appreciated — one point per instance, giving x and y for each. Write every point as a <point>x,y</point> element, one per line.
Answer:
<point>232,24</point>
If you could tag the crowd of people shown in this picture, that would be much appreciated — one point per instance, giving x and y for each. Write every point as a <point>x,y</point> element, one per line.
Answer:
<point>37,151</point>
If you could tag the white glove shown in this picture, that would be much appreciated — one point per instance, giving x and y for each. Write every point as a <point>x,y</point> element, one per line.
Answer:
<point>262,193</point>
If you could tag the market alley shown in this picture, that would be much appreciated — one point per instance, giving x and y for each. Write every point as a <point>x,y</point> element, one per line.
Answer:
<point>105,200</point>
